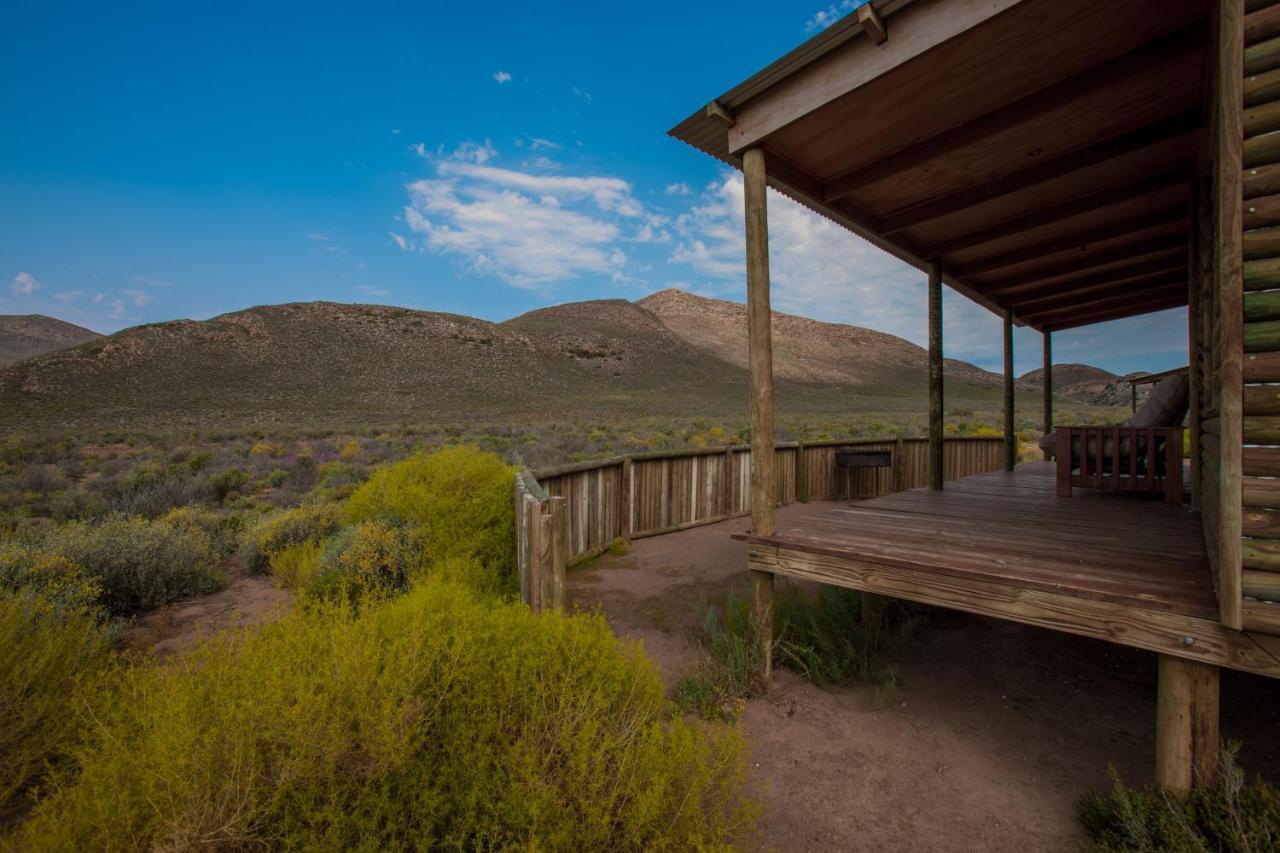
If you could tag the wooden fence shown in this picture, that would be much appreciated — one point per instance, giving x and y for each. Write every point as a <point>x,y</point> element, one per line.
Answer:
<point>573,512</point>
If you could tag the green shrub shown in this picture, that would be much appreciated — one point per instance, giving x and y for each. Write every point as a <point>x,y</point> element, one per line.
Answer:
<point>729,669</point>
<point>50,576</point>
<point>1228,815</point>
<point>822,634</point>
<point>139,563</point>
<point>456,501</point>
<point>437,719</point>
<point>222,529</point>
<point>369,559</point>
<point>297,565</point>
<point>47,650</point>
<point>284,529</point>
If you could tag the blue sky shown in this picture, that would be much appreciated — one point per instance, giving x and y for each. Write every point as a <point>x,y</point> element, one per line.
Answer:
<point>182,160</point>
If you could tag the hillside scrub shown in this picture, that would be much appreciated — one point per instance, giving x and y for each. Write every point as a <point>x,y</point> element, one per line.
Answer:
<point>456,503</point>
<point>136,563</point>
<point>437,719</point>
<point>50,649</point>
<point>1230,815</point>
<point>286,529</point>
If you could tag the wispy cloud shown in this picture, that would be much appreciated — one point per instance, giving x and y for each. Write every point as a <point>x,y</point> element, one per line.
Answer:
<point>152,282</point>
<point>399,240</point>
<point>678,189</point>
<point>527,227</point>
<point>824,18</point>
<point>586,96</point>
<point>373,291</point>
<point>23,285</point>
<point>501,77</point>
<point>537,143</point>
<point>139,298</point>
<point>318,237</point>
<point>66,297</point>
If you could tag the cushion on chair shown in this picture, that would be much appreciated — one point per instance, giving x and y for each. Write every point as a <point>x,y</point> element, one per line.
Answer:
<point>1165,406</point>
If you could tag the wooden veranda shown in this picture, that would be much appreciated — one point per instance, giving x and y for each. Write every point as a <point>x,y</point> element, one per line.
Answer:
<point>1062,164</point>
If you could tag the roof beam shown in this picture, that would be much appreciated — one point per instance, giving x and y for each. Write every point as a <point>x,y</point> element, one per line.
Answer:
<point>1079,240</point>
<point>1157,247</point>
<point>1114,314</point>
<point>1082,158</point>
<point>1073,89</point>
<point>1033,286</point>
<point>1081,296</point>
<point>1121,301</point>
<point>915,31</point>
<point>872,25</point>
<point>1064,210</point>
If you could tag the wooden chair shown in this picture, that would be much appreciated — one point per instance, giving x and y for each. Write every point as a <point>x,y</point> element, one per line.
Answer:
<point>1120,458</point>
<point>1143,454</point>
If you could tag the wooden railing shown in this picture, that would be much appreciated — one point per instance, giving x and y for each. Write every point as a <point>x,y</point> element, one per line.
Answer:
<point>1120,458</point>
<point>589,505</point>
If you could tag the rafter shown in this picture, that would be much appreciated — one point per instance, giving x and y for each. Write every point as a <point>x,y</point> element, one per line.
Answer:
<point>1082,158</point>
<point>1072,89</point>
<point>1167,260</point>
<point>1164,246</point>
<point>1113,314</point>
<point>1065,210</point>
<point>1079,240</point>
<point>1077,296</point>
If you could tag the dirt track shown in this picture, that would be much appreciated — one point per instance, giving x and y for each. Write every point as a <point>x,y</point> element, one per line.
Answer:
<point>994,733</point>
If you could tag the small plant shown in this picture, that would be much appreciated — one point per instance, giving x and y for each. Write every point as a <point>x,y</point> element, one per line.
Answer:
<point>139,564</point>
<point>1229,814</point>
<point>439,719</point>
<point>285,529</point>
<point>48,651</point>
<point>619,547</point>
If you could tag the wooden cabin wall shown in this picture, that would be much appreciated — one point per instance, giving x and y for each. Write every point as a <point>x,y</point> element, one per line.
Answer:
<point>1258,245</point>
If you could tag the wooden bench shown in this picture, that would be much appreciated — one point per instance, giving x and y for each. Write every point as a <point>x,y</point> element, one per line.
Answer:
<point>848,460</point>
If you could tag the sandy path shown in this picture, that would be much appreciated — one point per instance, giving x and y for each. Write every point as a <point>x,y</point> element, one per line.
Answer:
<point>994,733</point>
<point>245,600</point>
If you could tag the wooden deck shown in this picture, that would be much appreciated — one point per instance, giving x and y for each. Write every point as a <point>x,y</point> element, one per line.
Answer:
<point>1125,568</point>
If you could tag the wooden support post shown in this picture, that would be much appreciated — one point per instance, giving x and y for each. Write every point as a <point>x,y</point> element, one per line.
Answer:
<point>802,475</point>
<point>1193,347</point>
<point>935,376</point>
<point>628,495</point>
<point>1048,384</point>
<point>1010,441</point>
<point>1227,133</point>
<point>764,484</point>
<point>1187,745</point>
<point>762,623</point>
<point>539,527</point>
<point>1133,397</point>
<point>558,519</point>
<point>899,448</point>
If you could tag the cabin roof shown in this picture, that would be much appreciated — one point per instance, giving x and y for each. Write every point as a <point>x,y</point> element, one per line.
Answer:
<point>1044,152</point>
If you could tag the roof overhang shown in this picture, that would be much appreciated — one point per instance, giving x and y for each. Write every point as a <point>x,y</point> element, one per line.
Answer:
<point>1044,152</point>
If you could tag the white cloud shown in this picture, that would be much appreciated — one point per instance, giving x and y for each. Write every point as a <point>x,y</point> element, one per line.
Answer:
<point>373,291</point>
<point>501,77</point>
<point>824,18</point>
<point>66,297</point>
<point>419,148</point>
<point>399,240</point>
<point>678,189</point>
<point>529,229</point>
<point>137,297</point>
<point>24,284</point>
<point>819,269</point>
<point>537,143</point>
<point>586,96</point>
<point>318,237</point>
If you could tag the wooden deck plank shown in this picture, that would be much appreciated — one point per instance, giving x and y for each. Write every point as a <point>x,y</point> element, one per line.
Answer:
<point>1011,528</point>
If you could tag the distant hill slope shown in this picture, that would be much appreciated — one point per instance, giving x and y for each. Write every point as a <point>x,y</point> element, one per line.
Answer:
<point>320,364</point>
<point>805,350</point>
<point>1081,382</point>
<point>24,336</point>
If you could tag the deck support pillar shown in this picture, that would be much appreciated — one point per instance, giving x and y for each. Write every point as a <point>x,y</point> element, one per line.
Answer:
<point>935,376</point>
<point>764,484</point>
<point>1048,385</point>
<point>1010,441</point>
<point>1187,746</point>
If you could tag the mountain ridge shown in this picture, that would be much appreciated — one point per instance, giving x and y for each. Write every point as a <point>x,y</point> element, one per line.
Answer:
<point>24,336</point>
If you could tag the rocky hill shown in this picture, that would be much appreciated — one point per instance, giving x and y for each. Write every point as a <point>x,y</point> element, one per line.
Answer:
<point>320,364</point>
<point>804,350</point>
<point>1080,382</point>
<point>24,336</point>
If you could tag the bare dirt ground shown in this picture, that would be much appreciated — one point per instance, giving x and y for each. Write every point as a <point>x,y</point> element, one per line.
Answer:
<point>245,600</point>
<point>992,736</point>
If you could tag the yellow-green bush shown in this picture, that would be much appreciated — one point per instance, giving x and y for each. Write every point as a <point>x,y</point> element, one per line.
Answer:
<point>221,528</point>
<point>296,565</point>
<point>437,719</point>
<point>456,501</point>
<point>52,577</point>
<point>46,652</point>
<point>284,529</point>
<point>139,563</point>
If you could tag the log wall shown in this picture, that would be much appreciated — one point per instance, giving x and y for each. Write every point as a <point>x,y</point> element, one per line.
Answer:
<point>1259,285</point>
<point>652,493</point>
